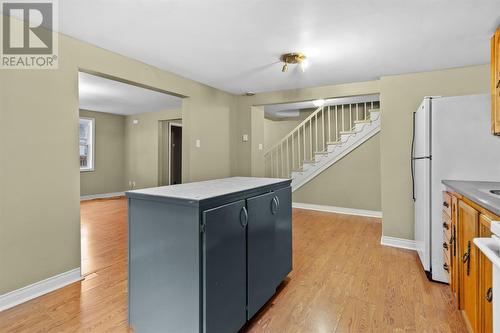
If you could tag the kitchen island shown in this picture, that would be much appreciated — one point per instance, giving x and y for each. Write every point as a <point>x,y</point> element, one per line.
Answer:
<point>206,256</point>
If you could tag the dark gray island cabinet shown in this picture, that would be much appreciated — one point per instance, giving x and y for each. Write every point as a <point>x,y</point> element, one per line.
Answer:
<point>206,256</point>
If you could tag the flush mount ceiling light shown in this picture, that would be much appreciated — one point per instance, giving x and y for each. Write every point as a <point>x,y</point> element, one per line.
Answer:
<point>319,102</point>
<point>293,58</point>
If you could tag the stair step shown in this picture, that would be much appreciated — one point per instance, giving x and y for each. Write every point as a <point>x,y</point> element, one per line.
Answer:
<point>321,152</point>
<point>308,162</point>
<point>347,132</point>
<point>334,142</point>
<point>367,121</point>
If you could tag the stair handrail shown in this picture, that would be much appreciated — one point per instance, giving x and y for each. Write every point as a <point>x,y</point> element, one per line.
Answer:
<point>294,130</point>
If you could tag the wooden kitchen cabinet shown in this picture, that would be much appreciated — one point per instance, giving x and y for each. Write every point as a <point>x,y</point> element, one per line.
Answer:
<point>470,271</point>
<point>468,220</point>
<point>495,83</point>
<point>485,281</point>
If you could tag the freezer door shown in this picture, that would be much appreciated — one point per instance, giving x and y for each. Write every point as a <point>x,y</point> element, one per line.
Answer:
<point>422,169</point>
<point>422,130</point>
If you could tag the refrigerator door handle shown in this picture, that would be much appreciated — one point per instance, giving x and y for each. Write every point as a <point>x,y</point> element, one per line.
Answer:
<point>413,160</point>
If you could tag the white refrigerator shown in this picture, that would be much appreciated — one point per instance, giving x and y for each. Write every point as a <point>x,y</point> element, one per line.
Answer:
<point>451,140</point>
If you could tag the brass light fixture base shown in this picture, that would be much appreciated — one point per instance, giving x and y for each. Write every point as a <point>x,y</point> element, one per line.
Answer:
<point>291,58</point>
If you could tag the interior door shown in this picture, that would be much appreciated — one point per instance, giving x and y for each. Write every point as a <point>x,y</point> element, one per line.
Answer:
<point>283,233</point>
<point>224,268</point>
<point>468,225</point>
<point>175,154</point>
<point>261,251</point>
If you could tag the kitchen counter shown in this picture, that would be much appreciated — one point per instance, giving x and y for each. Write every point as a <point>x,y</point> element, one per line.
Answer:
<point>478,192</point>
<point>194,193</point>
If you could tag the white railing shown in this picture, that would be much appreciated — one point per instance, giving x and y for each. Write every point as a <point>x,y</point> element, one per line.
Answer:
<point>313,135</point>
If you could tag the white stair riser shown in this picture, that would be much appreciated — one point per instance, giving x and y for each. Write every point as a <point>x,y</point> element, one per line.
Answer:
<point>374,115</point>
<point>345,137</point>
<point>359,127</point>
<point>307,166</point>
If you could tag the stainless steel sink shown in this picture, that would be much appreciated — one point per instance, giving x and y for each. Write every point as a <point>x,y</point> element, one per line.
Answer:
<point>493,192</point>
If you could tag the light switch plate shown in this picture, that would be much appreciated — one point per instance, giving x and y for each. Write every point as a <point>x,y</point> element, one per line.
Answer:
<point>135,121</point>
<point>198,143</point>
<point>261,146</point>
<point>245,137</point>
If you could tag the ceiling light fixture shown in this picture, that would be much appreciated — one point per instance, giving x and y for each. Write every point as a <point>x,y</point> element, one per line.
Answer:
<point>319,103</point>
<point>293,58</point>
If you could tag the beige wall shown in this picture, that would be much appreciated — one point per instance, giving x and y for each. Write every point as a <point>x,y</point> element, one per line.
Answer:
<point>276,129</point>
<point>109,165</point>
<point>352,182</point>
<point>142,147</point>
<point>39,172</point>
<point>400,96</point>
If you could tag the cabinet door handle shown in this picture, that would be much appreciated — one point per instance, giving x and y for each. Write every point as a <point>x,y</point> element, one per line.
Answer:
<point>446,226</point>
<point>489,295</point>
<point>275,203</point>
<point>498,84</point>
<point>244,217</point>
<point>446,268</point>
<point>446,204</point>
<point>445,245</point>
<point>466,258</point>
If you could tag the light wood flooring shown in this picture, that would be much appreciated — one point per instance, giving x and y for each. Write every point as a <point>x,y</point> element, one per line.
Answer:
<point>343,281</point>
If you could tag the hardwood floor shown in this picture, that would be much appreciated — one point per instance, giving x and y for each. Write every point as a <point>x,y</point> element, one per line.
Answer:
<point>343,281</point>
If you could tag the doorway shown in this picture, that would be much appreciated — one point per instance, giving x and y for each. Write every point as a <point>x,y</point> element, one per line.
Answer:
<point>175,165</point>
<point>170,152</point>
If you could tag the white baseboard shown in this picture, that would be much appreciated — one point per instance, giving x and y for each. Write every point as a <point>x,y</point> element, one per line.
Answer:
<point>39,288</point>
<point>398,242</point>
<point>101,196</point>
<point>338,210</point>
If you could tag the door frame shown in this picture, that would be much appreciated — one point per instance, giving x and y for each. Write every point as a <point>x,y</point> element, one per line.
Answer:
<point>170,125</point>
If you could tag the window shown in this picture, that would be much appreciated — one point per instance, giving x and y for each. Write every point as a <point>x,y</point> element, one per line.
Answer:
<point>87,131</point>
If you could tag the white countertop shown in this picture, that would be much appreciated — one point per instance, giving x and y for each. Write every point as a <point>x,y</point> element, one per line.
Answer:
<point>478,191</point>
<point>208,189</point>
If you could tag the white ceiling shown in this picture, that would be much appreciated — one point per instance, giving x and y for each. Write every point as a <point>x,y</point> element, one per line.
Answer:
<point>235,45</point>
<point>104,95</point>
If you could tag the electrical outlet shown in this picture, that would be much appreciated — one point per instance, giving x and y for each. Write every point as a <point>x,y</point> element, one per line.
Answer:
<point>245,137</point>
<point>261,146</point>
<point>198,143</point>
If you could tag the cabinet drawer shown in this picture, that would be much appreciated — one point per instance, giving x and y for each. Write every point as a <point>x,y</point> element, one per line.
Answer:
<point>447,226</point>
<point>447,203</point>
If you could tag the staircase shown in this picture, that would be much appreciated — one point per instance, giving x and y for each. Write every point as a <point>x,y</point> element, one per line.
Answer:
<point>327,135</point>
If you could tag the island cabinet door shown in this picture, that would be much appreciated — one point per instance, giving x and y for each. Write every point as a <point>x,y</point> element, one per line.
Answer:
<point>261,251</point>
<point>224,268</point>
<point>283,227</point>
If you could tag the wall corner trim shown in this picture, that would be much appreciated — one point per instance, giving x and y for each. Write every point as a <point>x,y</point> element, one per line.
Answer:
<point>101,196</point>
<point>39,288</point>
<point>338,210</point>
<point>401,243</point>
